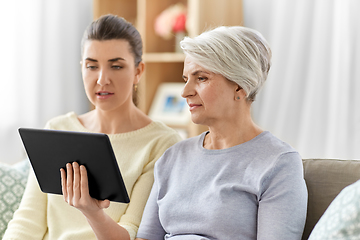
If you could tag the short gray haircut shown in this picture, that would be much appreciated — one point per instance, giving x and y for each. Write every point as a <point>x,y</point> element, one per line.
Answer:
<point>240,54</point>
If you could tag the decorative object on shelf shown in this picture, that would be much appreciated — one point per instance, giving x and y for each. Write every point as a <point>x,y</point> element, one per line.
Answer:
<point>178,37</point>
<point>172,22</point>
<point>168,105</point>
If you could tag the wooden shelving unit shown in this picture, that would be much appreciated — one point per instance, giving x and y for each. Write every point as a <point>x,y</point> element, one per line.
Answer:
<point>162,63</point>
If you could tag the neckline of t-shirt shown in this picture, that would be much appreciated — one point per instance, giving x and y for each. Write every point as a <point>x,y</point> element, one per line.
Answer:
<point>74,117</point>
<point>220,151</point>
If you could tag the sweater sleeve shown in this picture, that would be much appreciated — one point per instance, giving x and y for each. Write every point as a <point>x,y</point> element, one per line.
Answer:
<point>150,227</point>
<point>283,203</point>
<point>141,190</point>
<point>29,221</point>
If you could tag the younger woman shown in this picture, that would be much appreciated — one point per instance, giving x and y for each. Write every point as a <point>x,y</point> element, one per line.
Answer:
<point>111,67</point>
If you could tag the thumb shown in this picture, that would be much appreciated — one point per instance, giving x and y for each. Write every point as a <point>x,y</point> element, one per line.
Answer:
<point>104,204</point>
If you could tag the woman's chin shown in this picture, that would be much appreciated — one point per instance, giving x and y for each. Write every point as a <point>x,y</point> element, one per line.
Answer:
<point>197,119</point>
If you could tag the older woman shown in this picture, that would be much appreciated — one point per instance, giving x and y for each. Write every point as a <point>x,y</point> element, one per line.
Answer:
<point>235,181</point>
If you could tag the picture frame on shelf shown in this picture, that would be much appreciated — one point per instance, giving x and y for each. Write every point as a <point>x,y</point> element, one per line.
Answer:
<point>168,105</point>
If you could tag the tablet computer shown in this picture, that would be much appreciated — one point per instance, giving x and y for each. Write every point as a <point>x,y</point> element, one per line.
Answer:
<point>50,150</point>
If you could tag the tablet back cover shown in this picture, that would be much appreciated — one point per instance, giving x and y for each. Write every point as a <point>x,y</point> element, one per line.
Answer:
<point>50,150</point>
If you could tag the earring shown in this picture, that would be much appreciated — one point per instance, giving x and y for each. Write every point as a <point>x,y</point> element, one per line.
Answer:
<point>135,87</point>
<point>237,98</point>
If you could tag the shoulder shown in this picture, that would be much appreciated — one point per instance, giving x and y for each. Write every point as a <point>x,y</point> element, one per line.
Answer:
<point>187,145</point>
<point>270,147</point>
<point>154,139</point>
<point>161,129</point>
<point>274,156</point>
<point>181,150</point>
<point>266,146</point>
<point>159,132</point>
<point>272,143</point>
<point>63,122</point>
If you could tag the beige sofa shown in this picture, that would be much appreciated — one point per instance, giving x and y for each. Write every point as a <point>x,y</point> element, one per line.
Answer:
<point>325,178</point>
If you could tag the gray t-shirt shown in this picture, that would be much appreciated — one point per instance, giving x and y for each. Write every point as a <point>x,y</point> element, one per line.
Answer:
<point>254,190</point>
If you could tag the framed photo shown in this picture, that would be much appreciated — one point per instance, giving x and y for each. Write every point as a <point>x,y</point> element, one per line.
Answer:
<point>168,105</point>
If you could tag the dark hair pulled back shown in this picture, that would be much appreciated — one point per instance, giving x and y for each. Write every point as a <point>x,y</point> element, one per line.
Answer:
<point>109,27</point>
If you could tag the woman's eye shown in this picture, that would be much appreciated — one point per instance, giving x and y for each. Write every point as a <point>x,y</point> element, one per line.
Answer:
<point>91,67</point>
<point>202,78</point>
<point>116,67</point>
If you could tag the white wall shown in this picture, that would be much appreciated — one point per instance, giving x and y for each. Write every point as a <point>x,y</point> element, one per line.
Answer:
<point>40,55</point>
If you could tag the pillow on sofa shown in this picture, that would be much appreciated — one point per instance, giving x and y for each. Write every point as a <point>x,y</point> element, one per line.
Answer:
<point>13,180</point>
<point>325,178</point>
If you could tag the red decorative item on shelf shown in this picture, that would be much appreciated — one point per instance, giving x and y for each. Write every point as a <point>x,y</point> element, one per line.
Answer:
<point>180,23</point>
<point>171,21</point>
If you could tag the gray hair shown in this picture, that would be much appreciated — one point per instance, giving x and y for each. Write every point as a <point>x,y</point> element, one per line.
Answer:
<point>240,54</point>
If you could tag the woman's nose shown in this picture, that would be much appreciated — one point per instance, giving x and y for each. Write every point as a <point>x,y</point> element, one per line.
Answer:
<point>188,90</point>
<point>103,78</point>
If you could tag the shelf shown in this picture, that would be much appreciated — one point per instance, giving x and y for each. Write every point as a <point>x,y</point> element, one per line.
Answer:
<point>163,57</point>
<point>207,14</point>
<point>122,8</point>
<point>148,11</point>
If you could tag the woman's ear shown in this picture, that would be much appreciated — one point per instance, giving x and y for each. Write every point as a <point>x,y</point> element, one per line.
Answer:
<point>239,93</point>
<point>139,71</point>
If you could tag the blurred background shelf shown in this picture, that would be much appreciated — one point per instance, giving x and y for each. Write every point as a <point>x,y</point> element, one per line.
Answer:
<point>164,57</point>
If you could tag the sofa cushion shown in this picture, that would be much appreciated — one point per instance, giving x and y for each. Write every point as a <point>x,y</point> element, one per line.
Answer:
<point>13,180</point>
<point>325,179</point>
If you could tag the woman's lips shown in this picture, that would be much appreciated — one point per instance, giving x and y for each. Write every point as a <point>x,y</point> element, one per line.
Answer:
<point>193,106</point>
<point>104,94</point>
